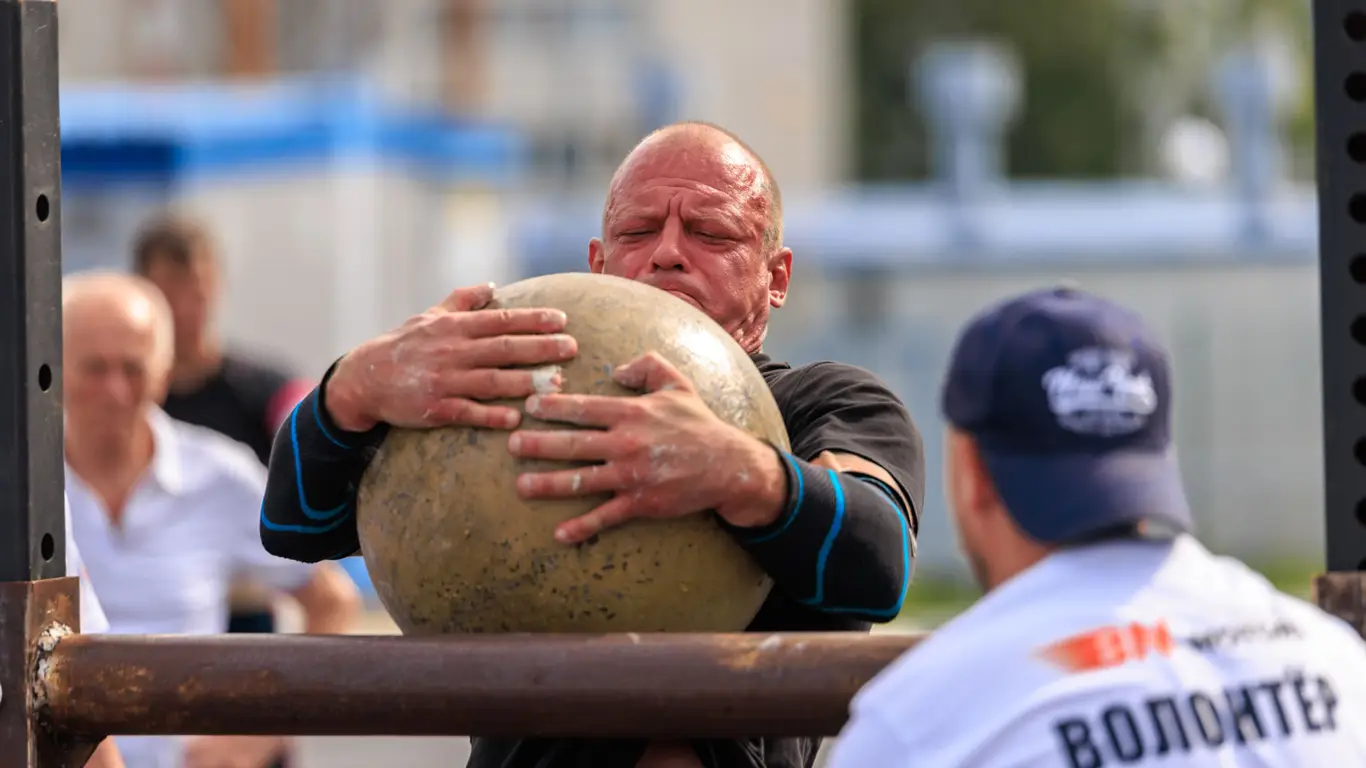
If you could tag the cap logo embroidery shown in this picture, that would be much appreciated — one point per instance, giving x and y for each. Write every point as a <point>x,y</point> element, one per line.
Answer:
<point>1098,392</point>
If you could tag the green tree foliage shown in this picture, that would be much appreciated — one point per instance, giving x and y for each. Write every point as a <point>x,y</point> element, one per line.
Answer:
<point>1101,78</point>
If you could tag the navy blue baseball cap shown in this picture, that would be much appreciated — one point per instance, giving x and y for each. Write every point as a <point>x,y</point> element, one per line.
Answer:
<point>1068,397</point>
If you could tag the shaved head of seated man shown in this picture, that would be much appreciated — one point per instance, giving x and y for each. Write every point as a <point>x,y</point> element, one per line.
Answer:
<point>693,212</point>
<point>165,513</point>
<point>1108,635</point>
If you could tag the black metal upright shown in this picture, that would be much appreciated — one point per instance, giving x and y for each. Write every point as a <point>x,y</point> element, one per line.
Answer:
<point>1340,103</point>
<point>32,532</point>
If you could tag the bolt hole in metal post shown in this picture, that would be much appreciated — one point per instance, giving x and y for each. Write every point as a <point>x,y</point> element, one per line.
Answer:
<point>1355,25</point>
<point>1359,330</point>
<point>42,208</point>
<point>1356,208</point>
<point>1358,268</point>
<point>1355,84</point>
<point>1356,147</point>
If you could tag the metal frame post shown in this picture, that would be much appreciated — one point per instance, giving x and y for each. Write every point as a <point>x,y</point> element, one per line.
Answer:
<point>38,602</point>
<point>1340,104</point>
<point>32,528</point>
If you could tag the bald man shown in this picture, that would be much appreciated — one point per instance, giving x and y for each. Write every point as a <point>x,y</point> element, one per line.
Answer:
<point>695,213</point>
<point>165,513</point>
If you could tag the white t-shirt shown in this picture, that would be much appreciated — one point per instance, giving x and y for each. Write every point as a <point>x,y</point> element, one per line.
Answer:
<point>93,620</point>
<point>1121,654</point>
<point>189,529</point>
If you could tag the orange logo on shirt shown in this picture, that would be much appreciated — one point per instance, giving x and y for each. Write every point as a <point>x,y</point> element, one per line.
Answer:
<point>1109,647</point>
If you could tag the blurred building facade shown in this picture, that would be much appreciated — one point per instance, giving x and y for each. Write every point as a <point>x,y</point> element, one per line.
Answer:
<point>466,140</point>
<point>581,79</point>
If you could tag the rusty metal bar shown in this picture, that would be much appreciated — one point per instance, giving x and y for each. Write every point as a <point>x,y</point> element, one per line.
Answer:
<point>647,686</point>
<point>1344,596</point>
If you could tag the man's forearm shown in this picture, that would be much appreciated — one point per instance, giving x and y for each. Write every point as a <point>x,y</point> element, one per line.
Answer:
<point>106,755</point>
<point>842,544</point>
<point>330,601</point>
<point>308,512</point>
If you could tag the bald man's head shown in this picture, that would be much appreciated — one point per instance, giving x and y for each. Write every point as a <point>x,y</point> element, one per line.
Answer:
<point>117,340</point>
<point>693,142</point>
<point>132,303</point>
<point>693,211</point>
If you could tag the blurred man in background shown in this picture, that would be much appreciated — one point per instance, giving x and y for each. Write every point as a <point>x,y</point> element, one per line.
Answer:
<point>166,513</point>
<point>1108,634</point>
<point>226,391</point>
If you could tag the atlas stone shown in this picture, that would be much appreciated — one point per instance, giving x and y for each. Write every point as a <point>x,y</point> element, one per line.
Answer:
<point>452,548</point>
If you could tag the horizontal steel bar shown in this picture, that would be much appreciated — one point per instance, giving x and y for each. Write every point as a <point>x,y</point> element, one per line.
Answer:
<point>607,686</point>
<point>1343,594</point>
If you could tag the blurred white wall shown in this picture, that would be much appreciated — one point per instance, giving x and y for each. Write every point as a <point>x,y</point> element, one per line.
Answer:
<point>564,71</point>
<point>774,71</point>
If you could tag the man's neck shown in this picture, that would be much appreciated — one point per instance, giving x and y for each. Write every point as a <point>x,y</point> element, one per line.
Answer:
<point>195,365</point>
<point>111,465</point>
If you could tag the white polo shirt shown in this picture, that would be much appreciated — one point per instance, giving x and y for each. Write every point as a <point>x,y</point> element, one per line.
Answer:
<point>189,529</point>
<point>1121,654</point>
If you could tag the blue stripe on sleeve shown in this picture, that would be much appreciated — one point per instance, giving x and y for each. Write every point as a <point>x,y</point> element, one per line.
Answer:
<point>835,523</point>
<point>797,507</point>
<point>332,526</point>
<point>885,613</point>
<point>310,512</point>
<point>318,419</point>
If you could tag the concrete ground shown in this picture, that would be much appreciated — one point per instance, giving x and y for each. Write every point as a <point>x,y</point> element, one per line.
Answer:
<point>367,752</point>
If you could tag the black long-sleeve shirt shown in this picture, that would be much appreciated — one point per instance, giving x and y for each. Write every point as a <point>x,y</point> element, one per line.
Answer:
<point>836,572</point>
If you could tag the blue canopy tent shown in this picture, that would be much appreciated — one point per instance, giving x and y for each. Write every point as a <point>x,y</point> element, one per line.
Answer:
<point>165,133</point>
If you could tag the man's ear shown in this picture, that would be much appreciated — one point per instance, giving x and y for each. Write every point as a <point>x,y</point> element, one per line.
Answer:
<point>597,256</point>
<point>779,277</point>
<point>972,486</point>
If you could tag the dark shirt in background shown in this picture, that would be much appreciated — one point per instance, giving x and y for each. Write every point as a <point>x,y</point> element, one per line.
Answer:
<point>245,400</point>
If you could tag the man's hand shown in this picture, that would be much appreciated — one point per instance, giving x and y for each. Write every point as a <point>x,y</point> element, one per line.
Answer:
<point>232,751</point>
<point>433,369</point>
<point>663,454</point>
